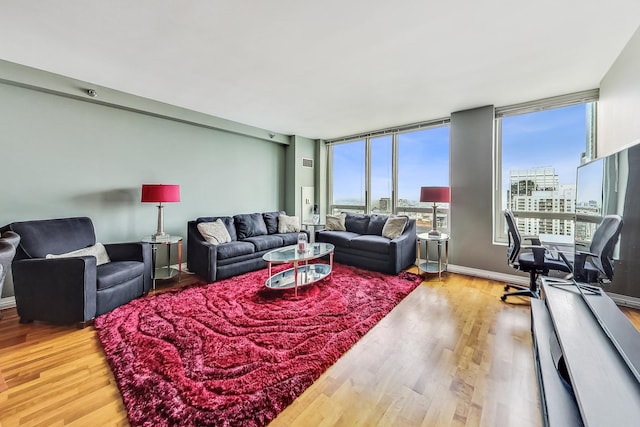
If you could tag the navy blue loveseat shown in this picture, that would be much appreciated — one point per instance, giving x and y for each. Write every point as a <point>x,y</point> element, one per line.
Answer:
<point>363,245</point>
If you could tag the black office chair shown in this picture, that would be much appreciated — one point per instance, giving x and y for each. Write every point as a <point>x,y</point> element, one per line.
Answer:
<point>596,265</point>
<point>533,258</point>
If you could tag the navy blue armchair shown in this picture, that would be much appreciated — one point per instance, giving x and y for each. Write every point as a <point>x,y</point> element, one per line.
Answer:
<point>53,285</point>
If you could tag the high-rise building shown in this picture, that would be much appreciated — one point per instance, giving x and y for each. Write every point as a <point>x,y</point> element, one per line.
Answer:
<point>538,190</point>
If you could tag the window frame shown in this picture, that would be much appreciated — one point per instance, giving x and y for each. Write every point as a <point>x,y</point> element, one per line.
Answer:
<point>394,132</point>
<point>586,97</point>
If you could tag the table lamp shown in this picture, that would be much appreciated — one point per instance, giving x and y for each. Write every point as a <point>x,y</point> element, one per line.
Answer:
<point>435,195</point>
<point>160,193</point>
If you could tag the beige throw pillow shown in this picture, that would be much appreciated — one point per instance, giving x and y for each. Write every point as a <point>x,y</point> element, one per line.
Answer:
<point>98,250</point>
<point>214,232</point>
<point>336,222</point>
<point>288,224</point>
<point>394,226</point>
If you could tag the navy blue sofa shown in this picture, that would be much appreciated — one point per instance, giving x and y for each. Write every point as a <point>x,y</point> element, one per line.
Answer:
<point>252,236</point>
<point>363,245</point>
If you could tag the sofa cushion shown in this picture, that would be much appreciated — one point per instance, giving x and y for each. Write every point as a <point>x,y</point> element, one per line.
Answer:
<point>335,222</point>
<point>337,238</point>
<point>271,221</point>
<point>394,226</point>
<point>226,220</point>
<point>371,243</point>
<point>249,225</point>
<point>214,232</point>
<point>288,224</point>
<point>117,272</point>
<point>288,238</point>
<point>263,243</point>
<point>356,223</point>
<point>376,224</point>
<point>234,249</point>
<point>98,250</point>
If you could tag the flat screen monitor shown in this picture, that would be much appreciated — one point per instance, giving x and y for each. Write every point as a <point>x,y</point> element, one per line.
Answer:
<point>611,185</point>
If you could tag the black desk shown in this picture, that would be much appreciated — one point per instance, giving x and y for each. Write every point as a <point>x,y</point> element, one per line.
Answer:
<point>599,351</point>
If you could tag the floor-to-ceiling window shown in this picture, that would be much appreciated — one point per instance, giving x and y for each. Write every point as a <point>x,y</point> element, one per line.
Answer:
<point>384,173</point>
<point>348,167</point>
<point>381,174</point>
<point>423,161</point>
<point>539,146</point>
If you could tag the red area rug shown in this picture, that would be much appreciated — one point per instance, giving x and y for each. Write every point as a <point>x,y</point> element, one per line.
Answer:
<point>233,353</point>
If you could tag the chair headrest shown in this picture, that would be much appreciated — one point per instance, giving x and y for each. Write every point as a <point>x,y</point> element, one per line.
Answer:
<point>53,236</point>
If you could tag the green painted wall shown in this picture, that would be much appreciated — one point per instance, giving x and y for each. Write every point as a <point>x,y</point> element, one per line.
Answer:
<point>298,176</point>
<point>66,156</point>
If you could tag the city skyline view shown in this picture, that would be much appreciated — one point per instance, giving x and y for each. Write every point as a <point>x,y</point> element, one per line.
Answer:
<point>526,143</point>
<point>527,140</point>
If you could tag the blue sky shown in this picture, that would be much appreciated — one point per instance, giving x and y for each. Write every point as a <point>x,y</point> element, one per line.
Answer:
<point>423,159</point>
<point>551,138</point>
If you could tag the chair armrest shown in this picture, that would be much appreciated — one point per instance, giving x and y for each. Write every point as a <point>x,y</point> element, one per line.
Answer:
<point>586,254</point>
<point>535,240</point>
<point>133,251</point>
<point>538,253</point>
<point>59,290</point>
<point>581,272</point>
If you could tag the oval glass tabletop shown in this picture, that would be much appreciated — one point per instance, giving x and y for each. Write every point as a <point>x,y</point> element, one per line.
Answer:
<point>291,254</point>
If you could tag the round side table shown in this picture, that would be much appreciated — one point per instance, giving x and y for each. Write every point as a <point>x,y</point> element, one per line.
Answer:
<point>165,271</point>
<point>437,265</point>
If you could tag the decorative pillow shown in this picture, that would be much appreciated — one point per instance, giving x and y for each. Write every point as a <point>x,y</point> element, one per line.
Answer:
<point>271,221</point>
<point>394,226</point>
<point>214,232</point>
<point>336,222</point>
<point>356,223</point>
<point>288,224</point>
<point>376,224</point>
<point>249,225</point>
<point>226,220</point>
<point>98,250</point>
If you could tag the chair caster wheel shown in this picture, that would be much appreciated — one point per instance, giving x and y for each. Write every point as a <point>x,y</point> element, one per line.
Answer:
<point>503,298</point>
<point>507,287</point>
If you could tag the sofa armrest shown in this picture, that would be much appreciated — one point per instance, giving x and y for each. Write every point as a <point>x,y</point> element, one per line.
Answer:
<point>133,251</point>
<point>202,257</point>
<point>59,290</point>
<point>403,247</point>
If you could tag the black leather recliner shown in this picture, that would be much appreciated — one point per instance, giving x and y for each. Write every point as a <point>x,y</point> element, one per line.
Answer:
<point>74,289</point>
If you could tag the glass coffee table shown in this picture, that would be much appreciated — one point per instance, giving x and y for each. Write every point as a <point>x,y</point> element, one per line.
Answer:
<point>302,273</point>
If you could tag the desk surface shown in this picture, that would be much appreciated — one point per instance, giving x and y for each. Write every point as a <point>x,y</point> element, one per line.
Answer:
<point>606,390</point>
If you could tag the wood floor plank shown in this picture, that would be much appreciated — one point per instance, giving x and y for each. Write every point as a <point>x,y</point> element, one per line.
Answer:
<point>451,353</point>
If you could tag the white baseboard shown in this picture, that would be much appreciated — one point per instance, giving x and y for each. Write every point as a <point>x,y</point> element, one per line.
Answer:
<point>492,275</point>
<point>7,302</point>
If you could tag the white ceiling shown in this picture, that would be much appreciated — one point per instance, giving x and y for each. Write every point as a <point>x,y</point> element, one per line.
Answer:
<point>327,68</point>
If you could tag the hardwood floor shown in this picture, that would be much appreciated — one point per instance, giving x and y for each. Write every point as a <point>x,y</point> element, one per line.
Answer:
<point>449,354</point>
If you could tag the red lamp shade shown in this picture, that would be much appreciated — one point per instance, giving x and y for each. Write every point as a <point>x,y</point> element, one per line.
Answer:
<point>435,194</point>
<point>160,193</point>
